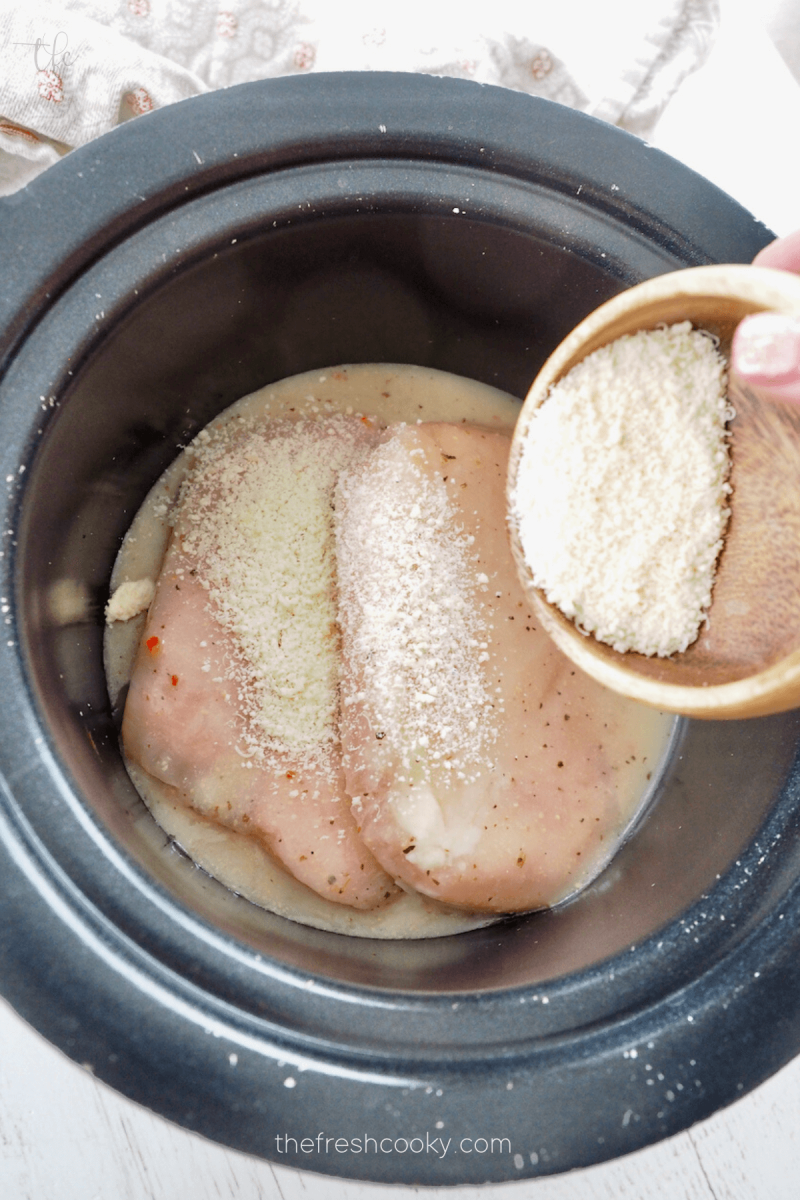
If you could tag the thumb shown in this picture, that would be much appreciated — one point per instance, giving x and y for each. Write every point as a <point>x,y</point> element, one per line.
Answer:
<point>766,355</point>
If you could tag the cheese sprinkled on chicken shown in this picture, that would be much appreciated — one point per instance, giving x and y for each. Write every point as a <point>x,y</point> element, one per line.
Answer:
<point>255,516</point>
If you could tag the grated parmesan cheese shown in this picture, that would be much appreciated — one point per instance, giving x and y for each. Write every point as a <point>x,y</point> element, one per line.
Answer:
<point>621,492</point>
<point>255,517</point>
<point>416,634</point>
<point>129,599</point>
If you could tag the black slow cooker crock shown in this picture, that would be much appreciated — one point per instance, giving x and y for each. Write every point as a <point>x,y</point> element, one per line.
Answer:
<point>150,279</point>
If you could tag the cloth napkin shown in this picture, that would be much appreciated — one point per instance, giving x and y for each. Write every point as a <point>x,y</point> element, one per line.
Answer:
<point>72,70</point>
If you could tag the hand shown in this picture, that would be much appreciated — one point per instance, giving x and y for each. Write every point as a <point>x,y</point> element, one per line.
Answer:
<point>766,346</point>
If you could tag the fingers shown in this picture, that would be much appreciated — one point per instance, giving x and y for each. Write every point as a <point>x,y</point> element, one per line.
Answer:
<point>783,254</point>
<point>766,354</point>
<point>766,346</point>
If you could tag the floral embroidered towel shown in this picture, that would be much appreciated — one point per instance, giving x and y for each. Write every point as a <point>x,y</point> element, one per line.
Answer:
<point>72,70</point>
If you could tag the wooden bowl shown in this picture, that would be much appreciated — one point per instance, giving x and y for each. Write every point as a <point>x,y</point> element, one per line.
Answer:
<point>746,661</point>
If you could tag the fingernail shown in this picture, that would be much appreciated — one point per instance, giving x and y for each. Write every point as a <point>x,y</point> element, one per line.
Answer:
<point>766,349</point>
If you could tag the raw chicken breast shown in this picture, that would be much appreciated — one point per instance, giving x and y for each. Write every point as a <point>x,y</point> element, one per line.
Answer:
<point>183,727</point>
<point>233,699</point>
<point>478,760</point>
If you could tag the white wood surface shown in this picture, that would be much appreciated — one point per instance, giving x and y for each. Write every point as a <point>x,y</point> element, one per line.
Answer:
<point>64,1136</point>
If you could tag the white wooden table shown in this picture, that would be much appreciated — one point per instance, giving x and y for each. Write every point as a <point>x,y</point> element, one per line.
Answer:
<point>64,1136</point>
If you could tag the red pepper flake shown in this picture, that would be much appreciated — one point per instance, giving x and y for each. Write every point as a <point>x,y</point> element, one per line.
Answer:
<point>290,774</point>
<point>174,680</point>
<point>152,644</point>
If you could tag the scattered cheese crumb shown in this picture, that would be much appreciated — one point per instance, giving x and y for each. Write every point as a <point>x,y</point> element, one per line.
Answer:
<point>129,600</point>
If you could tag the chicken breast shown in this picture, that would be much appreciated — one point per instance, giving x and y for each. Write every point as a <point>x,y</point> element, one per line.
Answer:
<point>233,701</point>
<point>482,766</point>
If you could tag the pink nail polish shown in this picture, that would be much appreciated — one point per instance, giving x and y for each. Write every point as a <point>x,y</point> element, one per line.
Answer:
<point>766,349</point>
